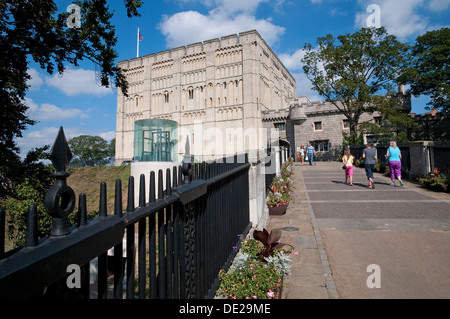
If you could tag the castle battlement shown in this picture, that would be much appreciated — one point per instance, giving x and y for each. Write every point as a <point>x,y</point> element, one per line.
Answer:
<point>225,42</point>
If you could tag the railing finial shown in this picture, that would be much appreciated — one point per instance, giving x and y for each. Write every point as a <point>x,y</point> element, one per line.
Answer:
<point>60,199</point>
<point>187,165</point>
<point>60,154</point>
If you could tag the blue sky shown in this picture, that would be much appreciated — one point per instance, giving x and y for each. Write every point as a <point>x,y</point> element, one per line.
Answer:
<point>76,101</point>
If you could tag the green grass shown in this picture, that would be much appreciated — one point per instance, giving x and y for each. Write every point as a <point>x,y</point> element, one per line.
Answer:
<point>87,180</point>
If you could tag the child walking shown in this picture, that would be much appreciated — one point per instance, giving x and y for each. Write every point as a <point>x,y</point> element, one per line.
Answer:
<point>347,160</point>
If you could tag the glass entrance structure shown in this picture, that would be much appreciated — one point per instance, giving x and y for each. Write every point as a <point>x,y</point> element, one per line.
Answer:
<point>155,140</point>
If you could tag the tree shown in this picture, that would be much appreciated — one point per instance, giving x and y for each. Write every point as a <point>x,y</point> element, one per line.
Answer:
<point>90,150</point>
<point>430,70</point>
<point>32,180</point>
<point>35,30</point>
<point>31,167</point>
<point>352,70</point>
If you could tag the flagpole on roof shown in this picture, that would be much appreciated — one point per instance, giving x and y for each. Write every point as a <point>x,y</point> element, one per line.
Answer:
<point>137,54</point>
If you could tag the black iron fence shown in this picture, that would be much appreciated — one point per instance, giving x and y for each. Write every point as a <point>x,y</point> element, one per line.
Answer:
<point>440,157</point>
<point>172,245</point>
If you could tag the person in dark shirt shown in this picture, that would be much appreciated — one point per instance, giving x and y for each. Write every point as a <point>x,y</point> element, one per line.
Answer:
<point>370,158</point>
<point>311,152</point>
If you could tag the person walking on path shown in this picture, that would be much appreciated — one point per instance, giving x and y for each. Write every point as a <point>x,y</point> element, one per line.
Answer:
<point>311,152</point>
<point>370,158</point>
<point>302,154</point>
<point>394,156</point>
<point>347,160</point>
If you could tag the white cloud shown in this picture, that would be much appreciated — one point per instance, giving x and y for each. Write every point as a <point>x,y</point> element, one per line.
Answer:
<point>36,81</point>
<point>48,112</point>
<point>439,5</point>
<point>44,136</point>
<point>304,87</point>
<point>78,81</point>
<point>293,61</point>
<point>47,135</point>
<point>230,6</point>
<point>40,138</point>
<point>229,17</point>
<point>108,136</point>
<point>233,6</point>
<point>403,18</point>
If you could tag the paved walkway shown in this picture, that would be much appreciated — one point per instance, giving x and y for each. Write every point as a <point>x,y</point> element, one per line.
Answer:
<point>342,231</point>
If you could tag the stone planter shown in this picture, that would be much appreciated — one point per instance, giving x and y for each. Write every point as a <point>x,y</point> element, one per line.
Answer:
<point>437,188</point>
<point>441,188</point>
<point>278,210</point>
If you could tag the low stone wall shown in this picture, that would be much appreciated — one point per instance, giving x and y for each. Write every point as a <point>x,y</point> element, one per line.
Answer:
<point>428,156</point>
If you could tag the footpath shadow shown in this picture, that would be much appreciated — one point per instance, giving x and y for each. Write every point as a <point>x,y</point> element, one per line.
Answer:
<point>362,184</point>
<point>355,184</point>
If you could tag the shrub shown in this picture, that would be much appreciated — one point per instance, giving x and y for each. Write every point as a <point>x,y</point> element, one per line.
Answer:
<point>256,275</point>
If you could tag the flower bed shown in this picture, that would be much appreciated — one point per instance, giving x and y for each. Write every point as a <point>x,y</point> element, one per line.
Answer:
<point>279,194</point>
<point>258,268</point>
<point>438,182</point>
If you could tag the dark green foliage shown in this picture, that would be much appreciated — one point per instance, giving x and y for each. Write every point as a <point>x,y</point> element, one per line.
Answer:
<point>429,73</point>
<point>32,180</point>
<point>91,151</point>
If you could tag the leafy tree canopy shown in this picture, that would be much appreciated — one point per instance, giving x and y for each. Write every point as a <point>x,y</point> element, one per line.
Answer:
<point>429,73</point>
<point>91,150</point>
<point>353,70</point>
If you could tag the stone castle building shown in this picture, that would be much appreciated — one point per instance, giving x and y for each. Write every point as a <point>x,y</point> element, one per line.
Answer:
<point>213,93</point>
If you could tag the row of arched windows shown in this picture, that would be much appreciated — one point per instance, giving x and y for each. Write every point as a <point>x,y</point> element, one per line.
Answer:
<point>133,104</point>
<point>229,56</point>
<point>193,62</point>
<point>162,69</point>
<point>222,114</point>
<point>229,71</point>
<point>193,77</point>
<point>199,97</point>
<point>162,82</point>
<point>135,74</point>
<point>129,119</point>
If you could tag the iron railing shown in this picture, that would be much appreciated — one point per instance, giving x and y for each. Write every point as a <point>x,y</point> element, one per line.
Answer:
<point>440,157</point>
<point>172,245</point>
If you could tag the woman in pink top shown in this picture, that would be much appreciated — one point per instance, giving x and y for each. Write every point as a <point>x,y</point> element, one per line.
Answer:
<point>347,160</point>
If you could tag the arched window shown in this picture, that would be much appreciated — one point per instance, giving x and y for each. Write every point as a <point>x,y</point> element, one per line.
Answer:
<point>191,93</point>
<point>166,97</point>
